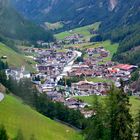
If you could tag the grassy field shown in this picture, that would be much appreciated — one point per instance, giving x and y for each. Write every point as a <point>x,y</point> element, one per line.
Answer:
<point>98,79</point>
<point>134,101</point>
<point>112,48</point>
<point>15,115</point>
<point>82,30</point>
<point>14,59</point>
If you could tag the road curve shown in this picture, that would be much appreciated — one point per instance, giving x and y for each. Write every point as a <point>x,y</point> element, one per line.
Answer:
<point>69,65</point>
<point>1,96</point>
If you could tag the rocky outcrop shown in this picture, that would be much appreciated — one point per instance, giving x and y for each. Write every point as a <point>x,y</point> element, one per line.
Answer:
<point>112,4</point>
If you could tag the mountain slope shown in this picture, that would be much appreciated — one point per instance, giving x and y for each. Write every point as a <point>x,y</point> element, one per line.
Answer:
<point>14,26</point>
<point>81,12</point>
<point>71,12</point>
<point>13,112</point>
<point>15,59</point>
<point>124,14</point>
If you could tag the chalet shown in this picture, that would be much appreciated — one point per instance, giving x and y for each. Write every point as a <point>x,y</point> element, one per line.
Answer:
<point>104,53</point>
<point>74,103</point>
<point>100,88</point>
<point>45,68</point>
<point>125,67</point>
<point>48,86</point>
<point>84,86</point>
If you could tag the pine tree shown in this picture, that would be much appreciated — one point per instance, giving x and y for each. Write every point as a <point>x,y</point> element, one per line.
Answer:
<point>95,131</point>
<point>120,118</point>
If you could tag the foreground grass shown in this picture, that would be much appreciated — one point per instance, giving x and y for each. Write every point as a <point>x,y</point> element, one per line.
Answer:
<point>14,59</point>
<point>82,30</point>
<point>134,101</point>
<point>15,115</point>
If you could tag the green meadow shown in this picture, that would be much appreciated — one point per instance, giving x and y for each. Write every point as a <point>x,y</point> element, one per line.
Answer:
<point>15,116</point>
<point>15,59</point>
<point>82,30</point>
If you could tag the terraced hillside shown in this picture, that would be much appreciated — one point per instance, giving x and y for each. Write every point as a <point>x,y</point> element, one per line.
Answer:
<point>15,115</point>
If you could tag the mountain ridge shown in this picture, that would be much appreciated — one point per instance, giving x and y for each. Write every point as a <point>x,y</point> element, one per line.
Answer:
<point>78,13</point>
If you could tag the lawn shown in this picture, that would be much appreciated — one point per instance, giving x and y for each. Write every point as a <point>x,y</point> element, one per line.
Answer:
<point>15,115</point>
<point>98,79</point>
<point>134,101</point>
<point>82,30</point>
<point>14,59</point>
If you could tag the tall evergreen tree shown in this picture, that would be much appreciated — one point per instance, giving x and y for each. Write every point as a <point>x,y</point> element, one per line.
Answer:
<point>120,120</point>
<point>95,130</point>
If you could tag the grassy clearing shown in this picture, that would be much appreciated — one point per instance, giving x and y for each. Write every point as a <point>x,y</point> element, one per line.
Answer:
<point>14,59</point>
<point>82,30</point>
<point>98,79</point>
<point>15,115</point>
<point>53,26</point>
<point>134,101</point>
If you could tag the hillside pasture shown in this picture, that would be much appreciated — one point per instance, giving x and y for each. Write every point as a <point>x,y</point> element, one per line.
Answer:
<point>15,59</point>
<point>81,30</point>
<point>15,116</point>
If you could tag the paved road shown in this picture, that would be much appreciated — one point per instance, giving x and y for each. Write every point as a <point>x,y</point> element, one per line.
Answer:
<point>1,96</point>
<point>68,67</point>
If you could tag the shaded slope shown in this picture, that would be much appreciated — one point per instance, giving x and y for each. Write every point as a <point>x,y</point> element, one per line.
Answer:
<point>14,26</point>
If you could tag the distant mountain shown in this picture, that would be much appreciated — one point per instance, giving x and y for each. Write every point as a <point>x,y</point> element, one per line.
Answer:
<point>80,12</point>
<point>120,19</point>
<point>70,12</point>
<point>13,25</point>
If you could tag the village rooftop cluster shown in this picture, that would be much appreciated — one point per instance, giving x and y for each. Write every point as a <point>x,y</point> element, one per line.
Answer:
<point>55,65</point>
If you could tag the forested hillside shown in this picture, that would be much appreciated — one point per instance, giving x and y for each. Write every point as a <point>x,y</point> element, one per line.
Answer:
<point>71,13</point>
<point>13,25</point>
<point>76,13</point>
